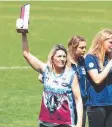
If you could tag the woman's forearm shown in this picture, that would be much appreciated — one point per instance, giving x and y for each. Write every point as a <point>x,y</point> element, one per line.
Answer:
<point>99,77</point>
<point>25,47</point>
<point>79,109</point>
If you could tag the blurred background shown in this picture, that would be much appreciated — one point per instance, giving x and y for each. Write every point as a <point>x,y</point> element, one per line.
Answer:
<point>51,22</point>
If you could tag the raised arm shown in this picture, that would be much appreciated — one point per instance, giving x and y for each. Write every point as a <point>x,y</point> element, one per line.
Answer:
<point>35,63</point>
<point>78,101</point>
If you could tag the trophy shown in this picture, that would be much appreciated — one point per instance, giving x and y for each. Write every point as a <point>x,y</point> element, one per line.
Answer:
<point>23,21</point>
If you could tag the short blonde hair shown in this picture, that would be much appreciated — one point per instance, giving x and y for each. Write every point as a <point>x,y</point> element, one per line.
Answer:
<point>53,52</point>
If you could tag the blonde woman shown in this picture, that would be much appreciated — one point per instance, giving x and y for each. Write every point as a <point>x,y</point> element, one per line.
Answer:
<point>60,88</point>
<point>98,64</point>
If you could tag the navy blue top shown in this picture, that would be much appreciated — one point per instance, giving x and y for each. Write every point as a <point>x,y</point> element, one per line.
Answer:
<point>81,74</point>
<point>99,94</point>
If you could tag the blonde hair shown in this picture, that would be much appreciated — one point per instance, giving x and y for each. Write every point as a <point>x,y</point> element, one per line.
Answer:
<point>73,44</point>
<point>53,52</point>
<point>97,47</point>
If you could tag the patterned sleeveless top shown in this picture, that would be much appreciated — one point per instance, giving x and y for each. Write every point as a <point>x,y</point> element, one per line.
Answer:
<point>57,100</point>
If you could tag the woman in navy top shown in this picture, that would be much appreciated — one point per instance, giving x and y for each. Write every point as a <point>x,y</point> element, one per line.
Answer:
<point>99,64</point>
<point>76,51</point>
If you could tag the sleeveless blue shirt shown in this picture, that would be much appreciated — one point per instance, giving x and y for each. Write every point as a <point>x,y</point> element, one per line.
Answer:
<point>81,74</point>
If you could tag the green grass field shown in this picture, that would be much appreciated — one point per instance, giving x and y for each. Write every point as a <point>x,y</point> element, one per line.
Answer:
<point>50,23</point>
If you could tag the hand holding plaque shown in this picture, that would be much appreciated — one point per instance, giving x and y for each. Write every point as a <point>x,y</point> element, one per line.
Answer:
<point>23,21</point>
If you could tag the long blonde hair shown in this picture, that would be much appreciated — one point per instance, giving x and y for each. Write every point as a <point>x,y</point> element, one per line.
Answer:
<point>53,52</point>
<point>97,46</point>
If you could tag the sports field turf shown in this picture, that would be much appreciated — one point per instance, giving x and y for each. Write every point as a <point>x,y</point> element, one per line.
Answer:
<point>50,23</point>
